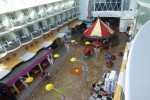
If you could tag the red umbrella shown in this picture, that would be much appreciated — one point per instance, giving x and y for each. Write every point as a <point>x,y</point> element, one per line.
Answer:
<point>97,43</point>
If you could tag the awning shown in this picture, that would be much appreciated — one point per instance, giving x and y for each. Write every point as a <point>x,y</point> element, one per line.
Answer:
<point>60,35</point>
<point>25,67</point>
<point>46,44</point>
<point>3,72</point>
<point>27,56</point>
<point>11,63</point>
<point>51,38</point>
<point>34,49</point>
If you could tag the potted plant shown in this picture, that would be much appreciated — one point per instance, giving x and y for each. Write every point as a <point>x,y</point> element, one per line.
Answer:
<point>120,53</point>
<point>109,64</point>
<point>113,57</point>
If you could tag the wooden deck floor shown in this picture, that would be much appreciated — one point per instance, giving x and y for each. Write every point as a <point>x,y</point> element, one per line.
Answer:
<point>75,84</point>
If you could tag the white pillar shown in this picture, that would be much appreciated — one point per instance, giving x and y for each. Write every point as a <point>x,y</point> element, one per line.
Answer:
<point>28,74</point>
<point>50,59</point>
<point>16,88</point>
<point>40,67</point>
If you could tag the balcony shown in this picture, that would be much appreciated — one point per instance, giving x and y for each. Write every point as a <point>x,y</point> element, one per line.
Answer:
<point>77,3</point>
<point>17,22</point>
<point>26,38</point>
<point>65,20</point>
<point>2,49</point>
<point>59,22</point>
<point>46,29</point>
<point>54,25</point>
<point>74,15</point>
<point>36,33</point>
<point>70,17</point>
<point>9,45</point>
<point>3,28</point>
<point>30,19</point>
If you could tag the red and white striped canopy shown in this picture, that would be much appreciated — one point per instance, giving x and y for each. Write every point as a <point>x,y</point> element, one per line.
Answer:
<point>98,29</point>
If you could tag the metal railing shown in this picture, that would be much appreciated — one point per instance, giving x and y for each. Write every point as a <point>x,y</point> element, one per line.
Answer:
<point>36,33</point>
<point>54,25</point>
<point>45,29</point>
<point>17,22</point>
<point>26,38</point>
<point>10,45</point>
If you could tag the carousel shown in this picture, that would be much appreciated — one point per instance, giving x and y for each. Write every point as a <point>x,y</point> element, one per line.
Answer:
<point>99,31</point>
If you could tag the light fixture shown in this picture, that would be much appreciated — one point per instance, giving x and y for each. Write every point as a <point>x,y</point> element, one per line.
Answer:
<point>56,55</point>
<point>73,41</point>
<point>87,43</point>
<point>73,59</point>
<point>49,87</point>
<point>29,79</point>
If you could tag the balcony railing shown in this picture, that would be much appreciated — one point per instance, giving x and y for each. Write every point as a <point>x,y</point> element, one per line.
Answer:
<point>36,33</point>
<point>65,20</point>
<point>60,22</point>
<point>30,19</point>
<point>10,45</point>
<point>17,22</point>
<point>74,15</point>
<point>70,18</point>
<point>77,3</point>
<point>46,29</point>
<point>54,25</point>
<point>26,38</point>
<point>2,49</point>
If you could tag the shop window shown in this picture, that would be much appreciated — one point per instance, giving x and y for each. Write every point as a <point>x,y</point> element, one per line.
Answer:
<point>35,71</point>
<point>19,85</point>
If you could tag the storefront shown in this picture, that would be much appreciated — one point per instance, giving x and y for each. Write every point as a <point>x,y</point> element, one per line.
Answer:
<point>30,68</point>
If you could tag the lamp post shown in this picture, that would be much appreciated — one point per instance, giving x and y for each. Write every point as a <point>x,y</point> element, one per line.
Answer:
<point>67,45</point>
<point>49,87</point>
<point>84,68</point>
<point>74,42</point>
<point>96,50</point>
<point>24,81</point>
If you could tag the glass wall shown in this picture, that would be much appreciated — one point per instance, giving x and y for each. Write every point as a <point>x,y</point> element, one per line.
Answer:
<point>143,15</point>
<point>107,5</point>
<point>126,4</point>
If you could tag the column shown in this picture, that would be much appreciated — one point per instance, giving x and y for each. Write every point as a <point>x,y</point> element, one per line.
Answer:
<point>28,74</point>
<point>50,59</point>
<point>40,67</point>
<point>16,88</point>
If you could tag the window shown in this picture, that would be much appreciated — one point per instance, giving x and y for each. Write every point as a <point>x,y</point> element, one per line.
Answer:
<point>108,5</point>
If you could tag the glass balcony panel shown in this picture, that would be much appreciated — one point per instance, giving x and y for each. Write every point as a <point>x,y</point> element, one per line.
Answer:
<point>60,22</point>
<point>2,49</point>
<point>17,22</point>
<point>65,19</point>
<point>54,25</point>
<point>3,28</point>
<point>46,29</point>
<point>25,38</point>
<point>10,45</point>
<point>36,33</point>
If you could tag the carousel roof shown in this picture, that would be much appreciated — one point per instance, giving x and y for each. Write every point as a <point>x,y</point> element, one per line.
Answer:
<point>98,29</point>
